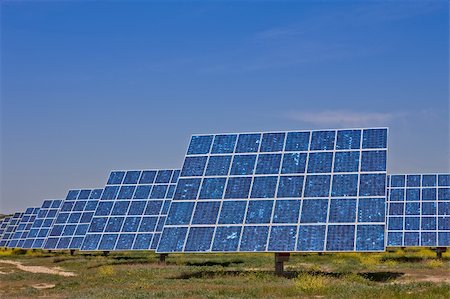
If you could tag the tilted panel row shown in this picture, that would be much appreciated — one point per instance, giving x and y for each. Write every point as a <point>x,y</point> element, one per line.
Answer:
<point>73,219</point>
<point>21,233</point>
<point>10,229</point>
<point>42,224</point>
<point>132,210</point>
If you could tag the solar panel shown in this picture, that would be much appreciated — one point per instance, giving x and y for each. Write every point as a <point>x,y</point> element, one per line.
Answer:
<point>10,229</point>
<point>73,219</point>
<point>305,191</point>
<point>132,210</point>
<point>42,224</point>
<point>418,210</point>
<point>18,238</point>
<point>3,225</point>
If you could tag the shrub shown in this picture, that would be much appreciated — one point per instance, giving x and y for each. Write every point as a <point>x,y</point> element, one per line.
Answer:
<point>369,260</point>
<point>432,263</point>
<point>105,271</point>
<point>312,284</point>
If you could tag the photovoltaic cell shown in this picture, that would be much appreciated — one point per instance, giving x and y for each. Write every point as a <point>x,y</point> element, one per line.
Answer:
<point>313,191</point>
<point>18,238</point>
<point>418,210</point>
<point>73,219</point>
<point>10,229</point>
<point>132,210</point>
<point>42,224</point>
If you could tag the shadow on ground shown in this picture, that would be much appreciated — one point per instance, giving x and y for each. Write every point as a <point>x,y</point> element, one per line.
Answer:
<point>372,276</point>
<point>212,263</point>
<point>410,259</point>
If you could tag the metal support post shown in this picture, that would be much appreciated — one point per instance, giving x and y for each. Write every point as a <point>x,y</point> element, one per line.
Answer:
<point>280,258</point>
<point>440,251</point>
<point>162,258</point>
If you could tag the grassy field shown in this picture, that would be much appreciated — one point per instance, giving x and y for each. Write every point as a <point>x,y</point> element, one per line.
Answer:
<point>414,273</point>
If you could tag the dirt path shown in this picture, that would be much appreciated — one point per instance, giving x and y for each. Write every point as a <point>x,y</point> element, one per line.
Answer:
<point>429,278</point>
<point>39,269</point>
<point>437,275</point>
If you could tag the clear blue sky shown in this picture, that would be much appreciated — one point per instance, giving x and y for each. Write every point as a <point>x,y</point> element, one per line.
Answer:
<point>87,87</point>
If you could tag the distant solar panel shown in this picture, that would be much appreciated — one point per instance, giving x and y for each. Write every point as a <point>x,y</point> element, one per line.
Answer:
<point>73,219</point>
<point>10,229</point>
<point>419,210</point>
<point>132,210</point>
<point>42,224</point>
<point>313,191</point>
<point>18,238</point>
<point>3,226</point>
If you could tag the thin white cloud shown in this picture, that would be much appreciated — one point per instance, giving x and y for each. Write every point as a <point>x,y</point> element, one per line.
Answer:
<point>342,117</point>
<point>358,15</point>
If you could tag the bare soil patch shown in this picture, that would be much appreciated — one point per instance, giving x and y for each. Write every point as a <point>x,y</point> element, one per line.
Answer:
<point>39,269</point>
<point>42,286</point>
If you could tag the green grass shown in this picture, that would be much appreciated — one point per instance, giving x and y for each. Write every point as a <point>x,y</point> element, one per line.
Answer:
<point>414,273</point>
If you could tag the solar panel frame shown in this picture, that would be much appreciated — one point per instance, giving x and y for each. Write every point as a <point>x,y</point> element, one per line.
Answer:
<point>10,229</point>
<point>185,225</point>
<point>408,221</point>
<point>73,219</point>
<point>18,238</point>
<point>42,224</point>
<point>145,234</point>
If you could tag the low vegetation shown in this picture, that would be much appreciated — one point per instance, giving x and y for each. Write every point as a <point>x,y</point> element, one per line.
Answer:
<point>411,273</point>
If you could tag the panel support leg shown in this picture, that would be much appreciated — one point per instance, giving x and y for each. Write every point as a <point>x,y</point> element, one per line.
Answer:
<point>440,251</point>
<point>280,258</point>
<point>162,258</point>
<point>72,251</point>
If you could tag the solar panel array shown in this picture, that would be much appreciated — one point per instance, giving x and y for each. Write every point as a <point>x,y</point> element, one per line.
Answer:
<point>10,229</point>
<point>289,191</point>
<point>132,210</point>
<point>42,224</point>
<point>73,219</point>
<point>419,210</point>
<point>18,238</point>
<point>280,192</point>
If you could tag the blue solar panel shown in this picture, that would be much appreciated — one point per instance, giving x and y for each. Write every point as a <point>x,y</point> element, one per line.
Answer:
<point>131,211</point>
<point>18,238</point>
<point>73,219</point>
<point>3,224</point>
<point>282,191</point>
<point>42,224</point>
<point>418,210</point>
<point>10,229</point>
